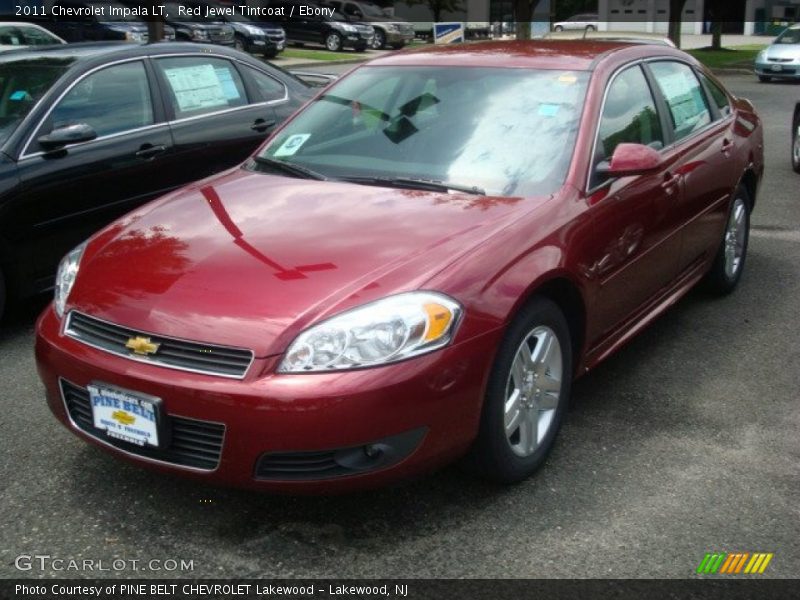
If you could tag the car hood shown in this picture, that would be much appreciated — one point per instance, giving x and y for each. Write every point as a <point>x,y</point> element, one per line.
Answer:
<point>249,260</point>
<point>783,51</point>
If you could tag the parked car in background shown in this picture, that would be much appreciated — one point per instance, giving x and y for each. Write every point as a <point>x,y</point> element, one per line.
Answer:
<point>96,23</point>
<point>331,30</point>
<point>253,36</point>
<point>22,35</point>
<point>582,22</point>
<point>388,30</point>
<point>399,276</point>
<point>781,59</point>
<point>796,138</point>
<point>89,131</point>
<point>194,28</point>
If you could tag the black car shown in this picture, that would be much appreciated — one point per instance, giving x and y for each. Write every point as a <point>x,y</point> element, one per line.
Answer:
<point>191,25</point>
<point>90,131</point>
<point>255,37</point>
<point>309,23</point>
<point>97,22</point>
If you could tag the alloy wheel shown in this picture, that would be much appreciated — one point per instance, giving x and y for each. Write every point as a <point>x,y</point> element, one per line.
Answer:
<point>735,238</point>
<point>533,390</point>
<point>333,42</point>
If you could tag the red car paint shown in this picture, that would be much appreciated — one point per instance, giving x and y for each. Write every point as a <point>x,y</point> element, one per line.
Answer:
<point>250,260</point>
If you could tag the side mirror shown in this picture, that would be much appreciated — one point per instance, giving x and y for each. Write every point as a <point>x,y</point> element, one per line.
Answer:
<point>630,159</point>
<point>70,134</point>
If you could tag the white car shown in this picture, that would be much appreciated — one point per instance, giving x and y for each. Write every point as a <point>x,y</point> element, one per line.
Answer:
<point>582,22</point>
<point>22,35</point>
<point>781,60</point>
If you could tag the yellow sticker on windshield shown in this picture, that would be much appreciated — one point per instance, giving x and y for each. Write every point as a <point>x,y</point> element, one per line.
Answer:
<point>568,79</point>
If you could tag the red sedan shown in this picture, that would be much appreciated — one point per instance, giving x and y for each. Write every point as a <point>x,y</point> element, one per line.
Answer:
<point>414,268</point>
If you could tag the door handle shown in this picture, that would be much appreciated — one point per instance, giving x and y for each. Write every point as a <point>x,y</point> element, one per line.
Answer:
<point>262,125</point>
<point>727,146</point>
<point>148,151</point>
<point>669,184</point>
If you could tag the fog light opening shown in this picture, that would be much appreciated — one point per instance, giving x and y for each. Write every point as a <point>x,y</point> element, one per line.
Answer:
<point>372,450</point>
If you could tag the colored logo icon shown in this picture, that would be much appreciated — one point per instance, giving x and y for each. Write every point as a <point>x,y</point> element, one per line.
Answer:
<point>734,563</point>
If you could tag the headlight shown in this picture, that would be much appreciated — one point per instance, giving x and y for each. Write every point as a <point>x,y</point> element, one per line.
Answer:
<point>252,30</point>
<point>199,34</point>
<point>762,56</point>
<point>349,28</point>
<point>65,277</point>
<point>377,333</point>
<point>134,36</point>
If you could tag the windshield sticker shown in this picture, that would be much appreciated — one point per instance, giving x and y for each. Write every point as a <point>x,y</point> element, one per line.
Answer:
<point>292,144</point>
<point>20,95</point>
<point>226,82</point>
<point>568,79</point>
<point>548,110</point>
<point>196,87</point>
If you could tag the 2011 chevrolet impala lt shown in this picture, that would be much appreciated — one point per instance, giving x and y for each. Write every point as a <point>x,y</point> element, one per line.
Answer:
<point>413,269</point>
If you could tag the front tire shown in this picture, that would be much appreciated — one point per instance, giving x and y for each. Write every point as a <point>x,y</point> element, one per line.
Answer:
<point>527,395</point>
<point>796,143</point>
<point>729,261</point>
<point>379,41</point>
<point>2,294</point>
<point>238,44</point>
<point>590,28</point>
<point>558,28</point>
<point>333,42</point>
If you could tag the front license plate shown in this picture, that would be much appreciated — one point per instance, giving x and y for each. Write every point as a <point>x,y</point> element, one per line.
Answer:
<point>776,67</point>
<point>124,415</point>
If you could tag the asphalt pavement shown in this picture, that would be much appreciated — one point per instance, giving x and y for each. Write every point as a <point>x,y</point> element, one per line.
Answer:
<point>683,443</point>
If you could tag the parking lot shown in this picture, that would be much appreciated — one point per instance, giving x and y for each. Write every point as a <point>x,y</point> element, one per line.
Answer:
<point>685,442</point>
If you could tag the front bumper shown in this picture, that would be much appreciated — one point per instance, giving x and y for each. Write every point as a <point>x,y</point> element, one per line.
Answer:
<point>397,37</point>
<point>264,46</point>
<point>419,414</point>
<point>778,70</point>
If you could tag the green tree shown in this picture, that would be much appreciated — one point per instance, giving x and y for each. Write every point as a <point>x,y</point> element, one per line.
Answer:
<point>437,7</point>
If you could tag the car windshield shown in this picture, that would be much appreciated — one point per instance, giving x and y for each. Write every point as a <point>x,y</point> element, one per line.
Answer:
<point>22,83</point>
<point>508,132</point>
<point>789,36</point>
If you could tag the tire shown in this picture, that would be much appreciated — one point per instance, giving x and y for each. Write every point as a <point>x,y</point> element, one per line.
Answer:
<point>764,79</point>
<point>513,443</point>
<point>558,28</point>
<point>379,41</point>
<point>796,143</point>
<point>726,271</point>
<point>590,28</point>
<point>333,42</point>
<point>2,294</point>
<point>238,44</point>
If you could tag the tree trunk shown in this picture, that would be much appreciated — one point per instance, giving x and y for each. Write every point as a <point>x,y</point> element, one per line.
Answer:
<point>523,15</point>
<point>155,29</point>
<point>716,35</point>
<point>675,16</point>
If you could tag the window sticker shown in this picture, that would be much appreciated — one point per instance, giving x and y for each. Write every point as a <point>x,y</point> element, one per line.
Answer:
<point>196,87</point>
<point>292,144</point>
<point>227,83</point>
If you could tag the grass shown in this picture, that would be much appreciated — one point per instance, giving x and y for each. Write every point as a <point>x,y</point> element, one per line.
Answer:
<point>307,54</point>
<point>728,58</point>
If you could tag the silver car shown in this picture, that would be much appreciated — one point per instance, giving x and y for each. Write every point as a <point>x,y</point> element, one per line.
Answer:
<point>781,60</point>
<point>583,22</point>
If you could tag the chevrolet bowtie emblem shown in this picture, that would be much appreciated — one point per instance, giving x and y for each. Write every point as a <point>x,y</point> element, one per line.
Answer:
<point>142,346</point>
<point>120,416</point>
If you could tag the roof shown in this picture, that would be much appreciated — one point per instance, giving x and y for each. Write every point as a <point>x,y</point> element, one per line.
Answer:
<point>88,50</point>
<point>577,55</point>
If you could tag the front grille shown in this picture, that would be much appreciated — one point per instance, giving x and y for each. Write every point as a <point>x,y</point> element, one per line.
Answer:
<point>300,465</point>
<point>780,60</point>
<point>191,443</point>
<point>176,354</point>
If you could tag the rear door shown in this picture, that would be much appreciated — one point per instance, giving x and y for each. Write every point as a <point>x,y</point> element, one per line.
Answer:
<point>217,119</point>
<point>69,193</point>
<point>703,135</point>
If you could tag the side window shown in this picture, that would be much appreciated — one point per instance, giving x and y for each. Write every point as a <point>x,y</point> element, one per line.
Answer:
<point>684,96</point>
<point>718,96</point>
<point>111,100</point>
<point>351,9</point>
<point>269,89</point>
<point>197,85</point>
<point>629,116</point>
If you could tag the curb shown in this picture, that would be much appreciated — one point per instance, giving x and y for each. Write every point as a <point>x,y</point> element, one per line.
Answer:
<point>322,63</point>
<point>732,71</point>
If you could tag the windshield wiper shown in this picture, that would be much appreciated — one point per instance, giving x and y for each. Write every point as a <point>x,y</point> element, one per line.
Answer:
<point>415,183</point>
<point>290,168</point>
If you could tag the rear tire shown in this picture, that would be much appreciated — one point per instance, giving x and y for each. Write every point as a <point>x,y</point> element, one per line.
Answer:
<point>590,28</point>
<point>558,28</point>
<point>796,142</point>
<point>379,41</point>
<point>2,294</point>
<point>527,395</point>
<point>728,265</point>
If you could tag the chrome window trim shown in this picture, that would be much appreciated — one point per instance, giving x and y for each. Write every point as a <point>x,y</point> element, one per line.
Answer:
<point>71,333</point>
<point>133,454</point>
<point>23,154</point>
<point>674,143</point>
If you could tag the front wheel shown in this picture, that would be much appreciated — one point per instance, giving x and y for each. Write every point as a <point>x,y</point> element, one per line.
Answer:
<point>796,144</point>
<point>379,41</point>
<point>729,261</point>
<point>590,28</point>
<point>559,28</point>
<point>527,395</point>
<point>333,42</point>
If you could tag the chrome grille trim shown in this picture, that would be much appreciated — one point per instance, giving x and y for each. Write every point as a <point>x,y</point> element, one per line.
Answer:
<point>179,354</point>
